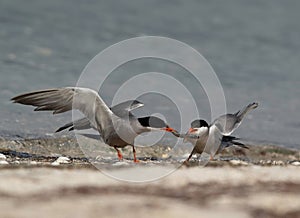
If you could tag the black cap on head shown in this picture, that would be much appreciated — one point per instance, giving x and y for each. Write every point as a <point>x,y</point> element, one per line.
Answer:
<point>199,123</point>
<point>152,121</point>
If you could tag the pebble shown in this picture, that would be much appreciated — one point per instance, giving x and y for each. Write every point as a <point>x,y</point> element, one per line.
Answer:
<point>2,156</point>
<point>61,160</point>
<point>296,163</point>
<point>269,162</point>
<point>165,156</point>
<point>55,163</point>
<point>101,158</point>
<point>3,162</point>
<point>279,162</point>
<point>33,162</point>
<point>238,163</point>
<point>120,163</point>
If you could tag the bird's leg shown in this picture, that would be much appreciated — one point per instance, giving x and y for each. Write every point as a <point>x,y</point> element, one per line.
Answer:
<point>135,160</point>
<point>186,162</point>
<point>120,156</point>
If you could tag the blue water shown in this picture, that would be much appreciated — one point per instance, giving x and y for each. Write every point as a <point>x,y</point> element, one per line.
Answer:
<point>253,46</point>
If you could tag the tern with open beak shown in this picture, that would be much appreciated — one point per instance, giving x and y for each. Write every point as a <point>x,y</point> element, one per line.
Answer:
<point>118,127</point>
<point>213,138</point>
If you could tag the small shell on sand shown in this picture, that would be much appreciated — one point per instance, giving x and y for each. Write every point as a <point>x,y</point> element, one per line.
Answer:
<point>61,160</point>
<point>2,156</point>
<point>238,163</point>
<point>33,162</point>
<point>278,162</point>
<point>295,163</point>
<point>120,163</point>
<point>3,162</point>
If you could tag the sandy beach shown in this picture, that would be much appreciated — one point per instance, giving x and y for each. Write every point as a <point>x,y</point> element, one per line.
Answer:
<point>263,181</point>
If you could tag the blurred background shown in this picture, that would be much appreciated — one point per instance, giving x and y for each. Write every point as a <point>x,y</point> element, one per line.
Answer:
<point>253,46</point>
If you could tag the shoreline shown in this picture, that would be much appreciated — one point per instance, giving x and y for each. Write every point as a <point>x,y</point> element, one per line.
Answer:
<point>44,151</point>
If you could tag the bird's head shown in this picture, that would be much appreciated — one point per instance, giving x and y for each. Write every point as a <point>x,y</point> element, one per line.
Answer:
<point>155,123</point>
<point>197,125</point>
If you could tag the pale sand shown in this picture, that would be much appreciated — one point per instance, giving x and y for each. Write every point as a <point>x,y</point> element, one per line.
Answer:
<point>251,191</point>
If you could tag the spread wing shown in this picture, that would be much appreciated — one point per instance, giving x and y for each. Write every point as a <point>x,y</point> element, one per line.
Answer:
<point>121,110</point>
<point>64,99</point>
<point>226,124</point>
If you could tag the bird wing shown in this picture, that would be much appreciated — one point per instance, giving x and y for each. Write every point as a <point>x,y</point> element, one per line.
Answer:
<point>226,124</point>
<point>61,100</point>
<point>121,110</point>
<point>214,140</point>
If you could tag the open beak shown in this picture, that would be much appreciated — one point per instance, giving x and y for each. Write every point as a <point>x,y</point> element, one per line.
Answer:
<point>168,129</point>
<point>191,130</point>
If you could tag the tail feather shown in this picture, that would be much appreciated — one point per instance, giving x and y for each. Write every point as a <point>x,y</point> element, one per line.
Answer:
<point>68,125</point>
<point>80,124</point>
<point>239,144</point>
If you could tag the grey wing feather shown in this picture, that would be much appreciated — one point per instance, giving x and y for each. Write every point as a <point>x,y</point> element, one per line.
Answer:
<point>241,114</point>
<point>91,136</point>
<point>64,99</point>
<point>228,123</point>
<point>121,110</point>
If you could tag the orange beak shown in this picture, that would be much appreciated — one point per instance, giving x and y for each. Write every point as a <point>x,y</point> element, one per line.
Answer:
<point>191,130</point>
<point>168,129</point>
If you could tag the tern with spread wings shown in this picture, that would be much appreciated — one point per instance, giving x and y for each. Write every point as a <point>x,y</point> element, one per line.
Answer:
<point>213,138</point>
<point>117,126</point>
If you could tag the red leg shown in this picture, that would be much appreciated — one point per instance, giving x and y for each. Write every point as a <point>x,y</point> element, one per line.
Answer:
<point>120,156</point>
<point>135,160</point>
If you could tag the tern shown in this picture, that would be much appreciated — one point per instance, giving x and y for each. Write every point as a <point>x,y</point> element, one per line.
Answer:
<point>118,127</point>
<point>213,138</point>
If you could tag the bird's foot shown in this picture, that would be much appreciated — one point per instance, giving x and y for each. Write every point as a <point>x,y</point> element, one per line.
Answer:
<point>186,163</point>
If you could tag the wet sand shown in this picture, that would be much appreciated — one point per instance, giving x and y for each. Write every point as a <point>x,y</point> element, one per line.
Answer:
<point>263,181</point>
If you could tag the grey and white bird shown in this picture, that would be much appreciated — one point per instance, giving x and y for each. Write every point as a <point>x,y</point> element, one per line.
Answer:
<point>118,127</point>
<point>213,138</point>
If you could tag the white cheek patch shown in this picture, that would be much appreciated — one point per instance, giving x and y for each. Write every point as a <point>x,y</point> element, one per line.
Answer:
<point>202,130</point>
